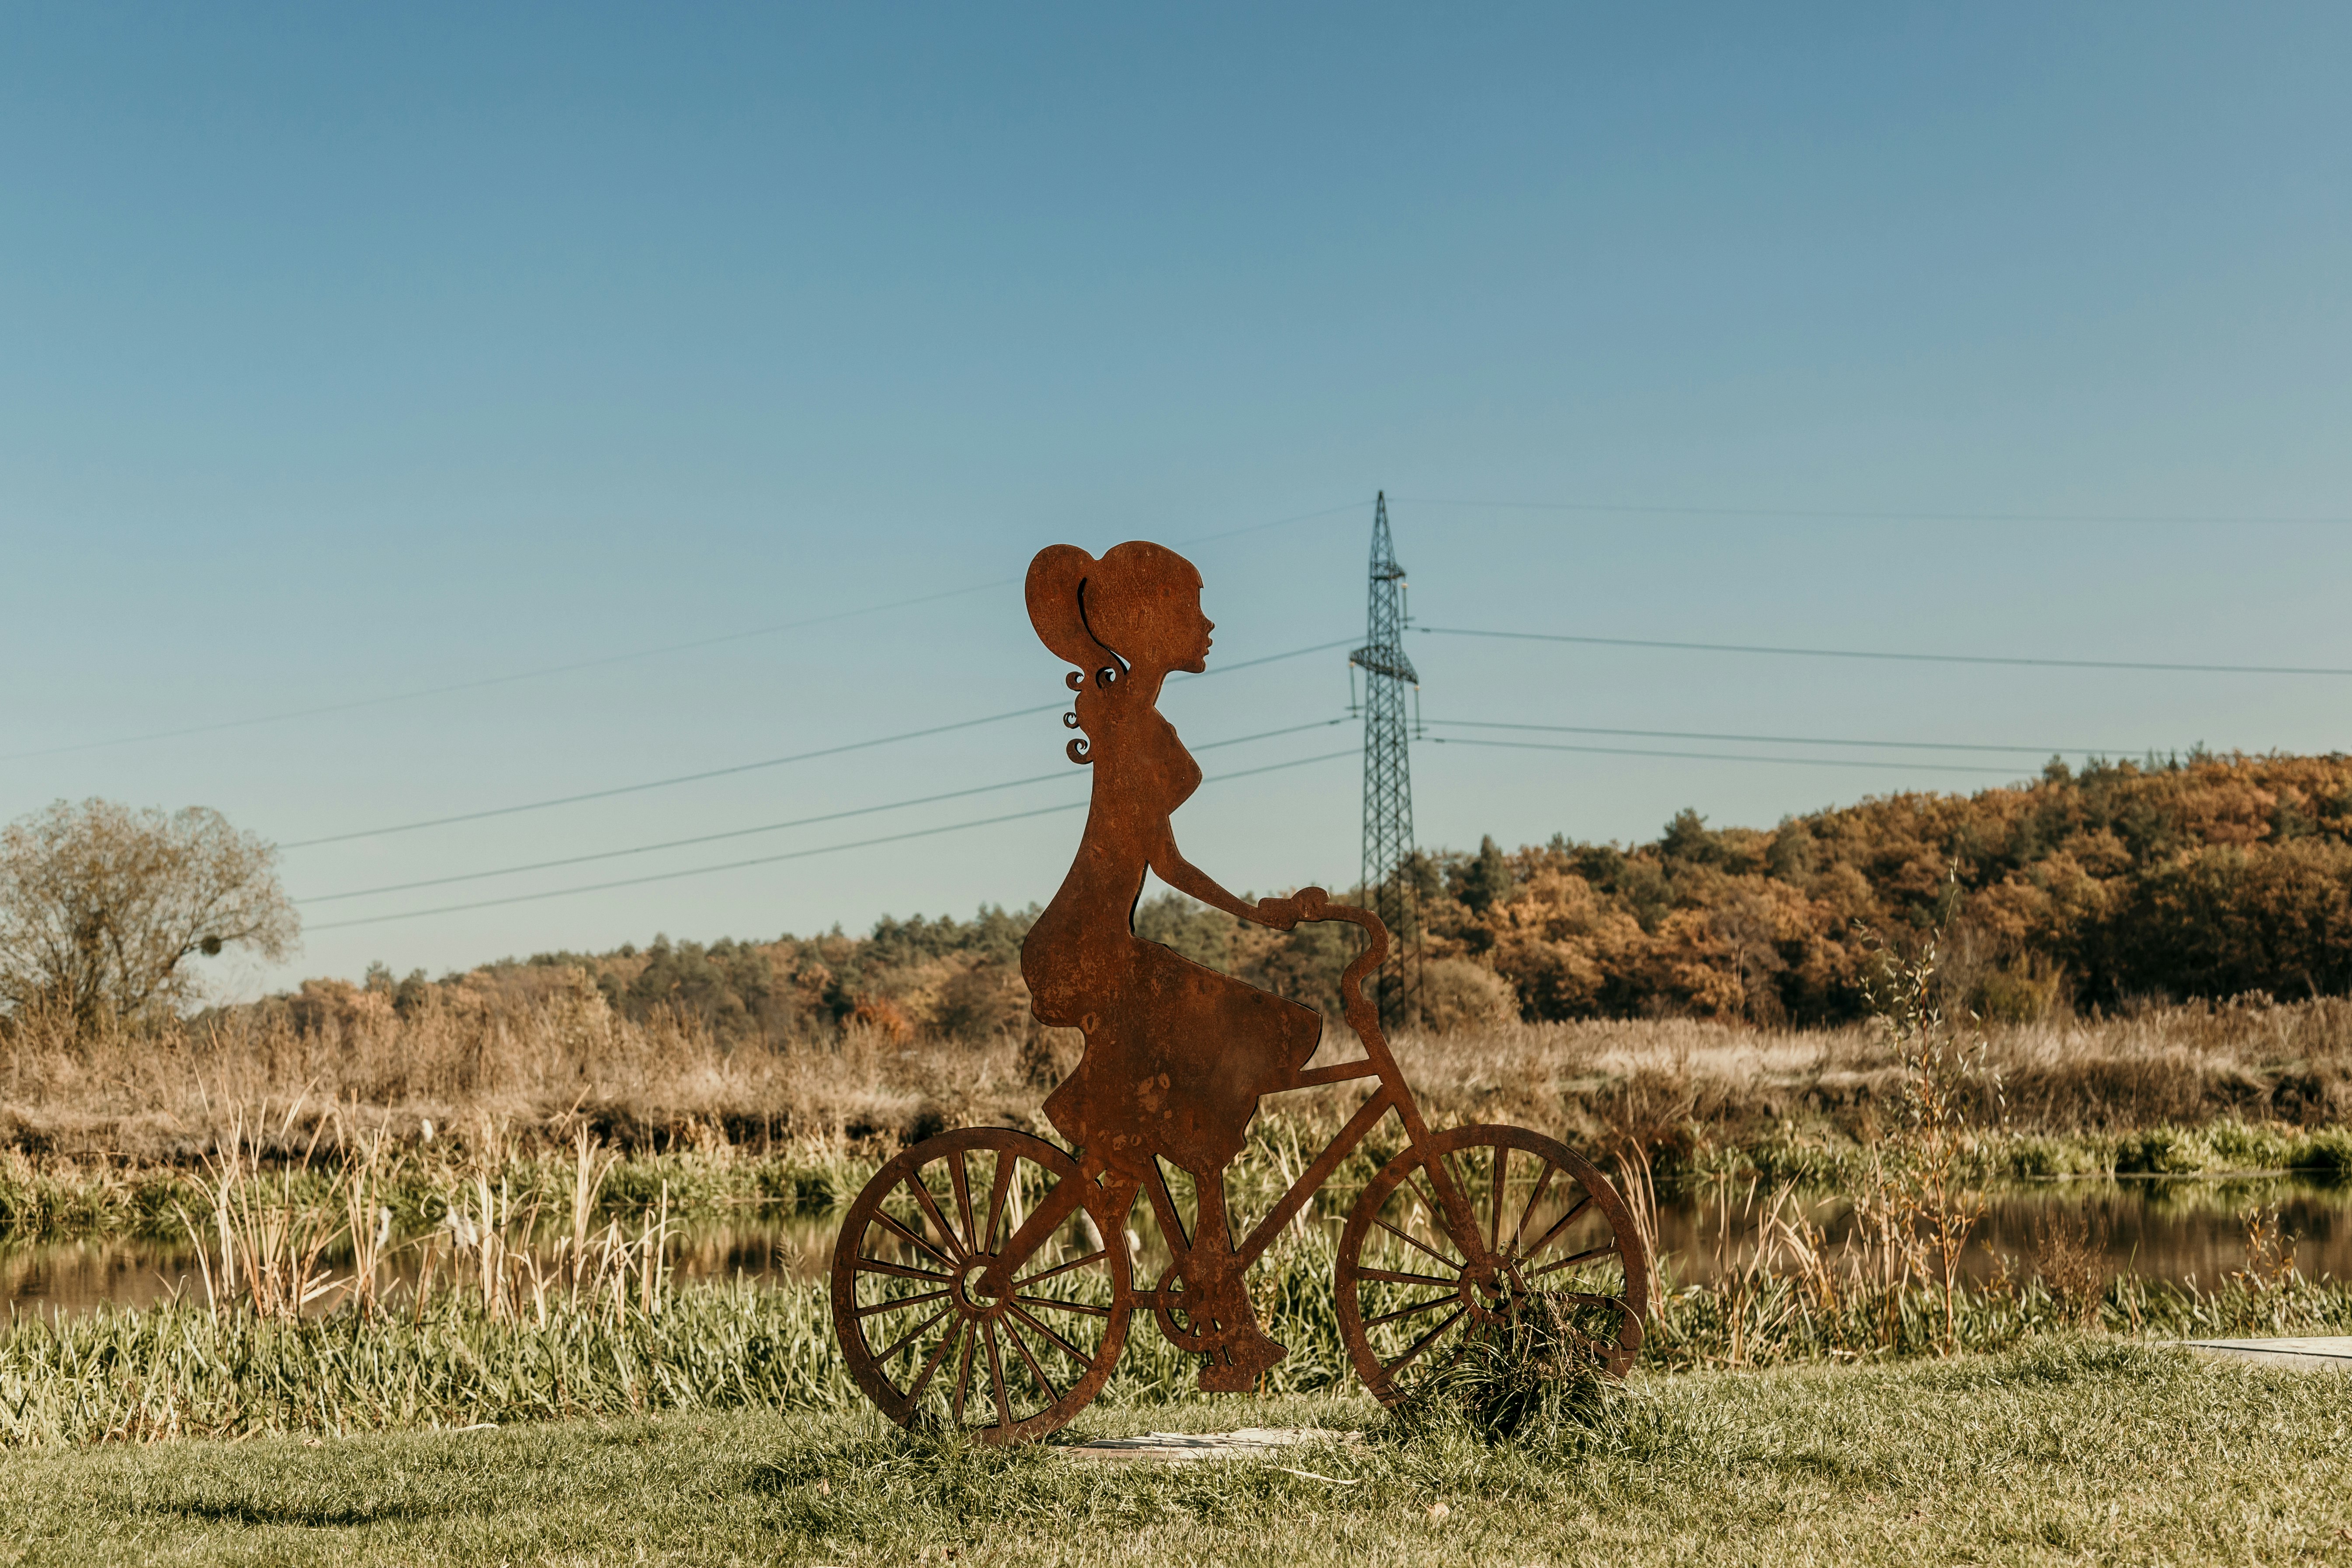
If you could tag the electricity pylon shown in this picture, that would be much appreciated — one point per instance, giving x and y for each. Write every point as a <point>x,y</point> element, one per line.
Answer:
<point>1388,777</point>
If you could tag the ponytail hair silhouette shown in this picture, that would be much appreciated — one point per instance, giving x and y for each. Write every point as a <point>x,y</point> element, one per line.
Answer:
<point>1055,591</point>
<point>1102,615</point>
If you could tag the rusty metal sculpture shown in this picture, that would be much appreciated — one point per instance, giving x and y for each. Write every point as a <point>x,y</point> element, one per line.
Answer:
<point>986,1278</point>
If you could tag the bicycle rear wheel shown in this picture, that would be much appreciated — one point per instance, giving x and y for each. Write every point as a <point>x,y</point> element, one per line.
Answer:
<point>922,1345</point>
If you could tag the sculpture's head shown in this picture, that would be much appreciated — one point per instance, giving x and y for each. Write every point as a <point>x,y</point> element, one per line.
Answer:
<point>1138,607</point>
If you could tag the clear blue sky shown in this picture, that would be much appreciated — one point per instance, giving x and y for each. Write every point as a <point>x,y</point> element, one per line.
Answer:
<point>344,357</point>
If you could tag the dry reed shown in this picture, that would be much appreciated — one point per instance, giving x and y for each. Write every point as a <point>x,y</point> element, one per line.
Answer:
<point>540,1061</point>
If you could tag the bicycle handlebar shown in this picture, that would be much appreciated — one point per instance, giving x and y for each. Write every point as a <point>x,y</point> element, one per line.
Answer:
<point>1315,904</point>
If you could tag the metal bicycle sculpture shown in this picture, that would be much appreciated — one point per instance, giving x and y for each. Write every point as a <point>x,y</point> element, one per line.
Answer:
<point>984,1277</point>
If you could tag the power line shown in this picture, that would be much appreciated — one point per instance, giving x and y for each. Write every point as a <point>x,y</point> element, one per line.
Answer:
<point>1065,775</point>
<point>750,767</point>
<point>665,783</point>
<point>1719,756</point>
<point>603,661</point>
<point>1770,740</point>
<point>1811,513</point>
<point>1901,657</point>
<point>793,855</point>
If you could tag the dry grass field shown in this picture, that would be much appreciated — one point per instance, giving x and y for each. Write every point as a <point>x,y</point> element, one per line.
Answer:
<point>534,1064</point>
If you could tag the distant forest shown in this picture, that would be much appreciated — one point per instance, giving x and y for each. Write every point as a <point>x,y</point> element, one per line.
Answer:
<point>2206,877</point>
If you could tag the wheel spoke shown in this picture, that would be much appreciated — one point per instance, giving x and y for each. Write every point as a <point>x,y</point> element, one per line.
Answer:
<point>1543,1186</point>
<point>901,1270</point>
<point>914,1240</point>
<point>1495,1217</point>
<point>1064,1306</point>
<point>931,1207</point>
<point>955,1332</point>
<point>1006,1162</point>
<point>898,1303</point>
<point>1064,1346</point>
<point>996,1372</point>
<point>1409,1241</point>
<point>1415,1310</point>
<point>1062,1268</point>
<point>912,1336</point>
<point>1437,1215</point>
<point>1423,1343</point>
<point>1587,1256</point>
<point>1560,1226</point>
<point>1053,1394</point>
<point>962,1180</point>
<point>964,1377</point>
<point>1394,1276</point>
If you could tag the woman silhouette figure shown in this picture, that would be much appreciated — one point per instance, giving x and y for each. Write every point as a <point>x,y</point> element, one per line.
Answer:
<point>1176,1054</point>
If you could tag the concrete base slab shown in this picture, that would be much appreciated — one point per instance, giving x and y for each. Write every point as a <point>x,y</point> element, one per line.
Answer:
<point>1183,1448</point>
<point>2327,1351</point>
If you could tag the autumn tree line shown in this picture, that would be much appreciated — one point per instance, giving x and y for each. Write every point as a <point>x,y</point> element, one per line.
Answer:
<point>2201,876</point>
<point>2126,882</point>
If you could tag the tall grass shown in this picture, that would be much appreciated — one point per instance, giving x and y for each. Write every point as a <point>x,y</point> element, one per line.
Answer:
<point>190,1370</point>
<point>443,1359</point>
<point>539,1052</point>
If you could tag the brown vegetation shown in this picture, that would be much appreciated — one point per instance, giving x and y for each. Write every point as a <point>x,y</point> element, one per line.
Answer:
<point>2116,889</point>
<point>541,1051</point>
<point>2209,878</point>
<point>1645,998</point>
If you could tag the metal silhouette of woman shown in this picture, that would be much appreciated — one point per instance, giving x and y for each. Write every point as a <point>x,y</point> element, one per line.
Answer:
<point>1176,1053</point>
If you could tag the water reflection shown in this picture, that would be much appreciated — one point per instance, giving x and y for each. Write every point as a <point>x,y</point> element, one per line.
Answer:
<point>2175,1229</point>
<point>69,1277</point>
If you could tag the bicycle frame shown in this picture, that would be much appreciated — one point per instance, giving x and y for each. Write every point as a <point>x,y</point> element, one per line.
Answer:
<point>1394,1094</point>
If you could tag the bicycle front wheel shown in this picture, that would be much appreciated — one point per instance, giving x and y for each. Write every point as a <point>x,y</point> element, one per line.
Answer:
<point>1547,1232</point>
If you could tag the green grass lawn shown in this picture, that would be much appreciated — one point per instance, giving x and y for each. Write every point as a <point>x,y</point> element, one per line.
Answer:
<point>2063,1452</point>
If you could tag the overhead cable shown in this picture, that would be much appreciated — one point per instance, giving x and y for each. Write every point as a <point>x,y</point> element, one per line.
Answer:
<point>764,763</point>
<point>1720,756</point>
<point>1769,740</point>
<point>793,855</point>
<point>1901,657</point>
<point>1826,515</point>
<point>1063,776</point>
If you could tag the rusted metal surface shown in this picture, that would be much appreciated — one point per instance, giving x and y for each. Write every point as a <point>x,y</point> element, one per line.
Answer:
<point>983,1276</point>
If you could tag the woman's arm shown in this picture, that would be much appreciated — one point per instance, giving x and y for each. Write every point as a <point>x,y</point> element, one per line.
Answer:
<point>1169,864</point>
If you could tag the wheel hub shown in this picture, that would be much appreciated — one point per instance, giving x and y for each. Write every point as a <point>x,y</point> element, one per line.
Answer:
<point>1489,1289</point>
<point>963,1290</point>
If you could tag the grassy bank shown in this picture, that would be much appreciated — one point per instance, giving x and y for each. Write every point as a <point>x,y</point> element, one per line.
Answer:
<point>522,1065</point>
<point>451,1358</point>
<point>2065,1451</point>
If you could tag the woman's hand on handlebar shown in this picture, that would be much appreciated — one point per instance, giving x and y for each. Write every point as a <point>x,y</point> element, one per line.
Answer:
<point>1306,904</point>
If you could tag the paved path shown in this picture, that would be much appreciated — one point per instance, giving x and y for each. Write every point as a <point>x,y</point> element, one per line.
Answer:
<point>1182,1447</point>
<point>2335,1352</point>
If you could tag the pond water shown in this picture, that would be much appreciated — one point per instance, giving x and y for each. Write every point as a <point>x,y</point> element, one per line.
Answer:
<point>2172,1229</point>
<point>77,1276</point>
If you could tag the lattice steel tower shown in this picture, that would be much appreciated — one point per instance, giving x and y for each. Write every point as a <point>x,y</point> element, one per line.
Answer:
<point>1388,777</point>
